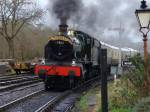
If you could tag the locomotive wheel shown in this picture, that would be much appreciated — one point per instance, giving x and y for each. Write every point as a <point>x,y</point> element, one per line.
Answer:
<point>47,86</point>
<point>71,82</point>
<point>71,79</point>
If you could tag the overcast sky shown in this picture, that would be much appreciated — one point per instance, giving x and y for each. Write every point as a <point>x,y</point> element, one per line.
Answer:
<point>100,17</point>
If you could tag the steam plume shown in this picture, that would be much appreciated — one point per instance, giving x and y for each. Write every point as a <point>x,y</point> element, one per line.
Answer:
<point>65,8</point>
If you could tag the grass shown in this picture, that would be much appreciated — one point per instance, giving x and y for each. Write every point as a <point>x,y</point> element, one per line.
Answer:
<point>82,104</point>
<point>121,110</point>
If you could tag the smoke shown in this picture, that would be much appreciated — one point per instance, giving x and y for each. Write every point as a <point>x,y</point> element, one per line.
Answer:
<point>64,9</point>
<point>97,17</point>
<point>100,18</point>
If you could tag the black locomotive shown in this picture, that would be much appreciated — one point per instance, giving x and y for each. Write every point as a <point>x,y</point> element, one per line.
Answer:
<point>70,58</point>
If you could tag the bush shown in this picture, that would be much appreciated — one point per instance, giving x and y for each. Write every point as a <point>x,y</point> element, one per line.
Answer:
<point>136,76</point>
<point>143,105</point>
<point>129,88</point>
<point>122,94</point>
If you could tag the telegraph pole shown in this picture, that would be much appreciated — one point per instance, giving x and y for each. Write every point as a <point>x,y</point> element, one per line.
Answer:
<point>120,30</point>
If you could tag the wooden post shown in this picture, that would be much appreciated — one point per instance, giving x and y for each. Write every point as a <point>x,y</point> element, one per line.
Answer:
<point>146,81</point>
<point>104,94</point>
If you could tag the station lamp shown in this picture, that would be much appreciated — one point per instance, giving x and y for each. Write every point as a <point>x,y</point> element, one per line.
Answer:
<point>143,17</point>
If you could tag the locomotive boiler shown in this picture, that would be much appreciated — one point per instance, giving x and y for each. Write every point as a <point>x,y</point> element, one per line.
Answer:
<point>70,58</point>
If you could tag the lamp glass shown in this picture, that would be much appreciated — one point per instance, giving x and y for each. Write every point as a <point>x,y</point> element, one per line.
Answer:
<point>143,17</point>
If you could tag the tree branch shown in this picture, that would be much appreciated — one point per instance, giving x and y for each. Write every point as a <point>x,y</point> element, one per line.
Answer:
<point>14,14</point>
<point>19,28</point>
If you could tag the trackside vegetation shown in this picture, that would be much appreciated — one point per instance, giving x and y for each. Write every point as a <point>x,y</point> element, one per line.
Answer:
<point>126,94</point>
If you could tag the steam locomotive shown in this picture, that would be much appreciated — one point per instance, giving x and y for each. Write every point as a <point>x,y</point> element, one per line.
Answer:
<point>70,58</point>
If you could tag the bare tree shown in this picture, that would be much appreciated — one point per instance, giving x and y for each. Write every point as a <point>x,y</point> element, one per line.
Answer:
<point>14,14</point>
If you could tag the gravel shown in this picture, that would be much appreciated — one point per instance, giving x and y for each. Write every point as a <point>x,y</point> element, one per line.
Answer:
<point>67,102</point>
<point>8,96</point>
<point>32,104</point>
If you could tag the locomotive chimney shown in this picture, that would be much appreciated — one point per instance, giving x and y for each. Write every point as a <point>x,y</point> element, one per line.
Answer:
<point>63,26</point>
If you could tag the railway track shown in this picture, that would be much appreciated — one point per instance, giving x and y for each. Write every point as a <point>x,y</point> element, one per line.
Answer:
<point>13,96</point>
<point>30,102</point>
<point>15,102</point>
<point>22,88</point>
<point>13,76</point>
<point>6,75</point>
<point>12,86</point>
<point>66,104</point>
<point>8,82</point>
<point>40,100</point>
<point>18,80</point>
<point>11,82</point>
<point>11,79</point>
<point>43,101</point>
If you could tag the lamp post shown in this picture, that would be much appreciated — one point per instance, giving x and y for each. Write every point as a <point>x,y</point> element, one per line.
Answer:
<point>143,17</point>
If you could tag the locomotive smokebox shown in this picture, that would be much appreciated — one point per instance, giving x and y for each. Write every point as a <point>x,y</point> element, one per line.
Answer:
<point>63,26</point>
